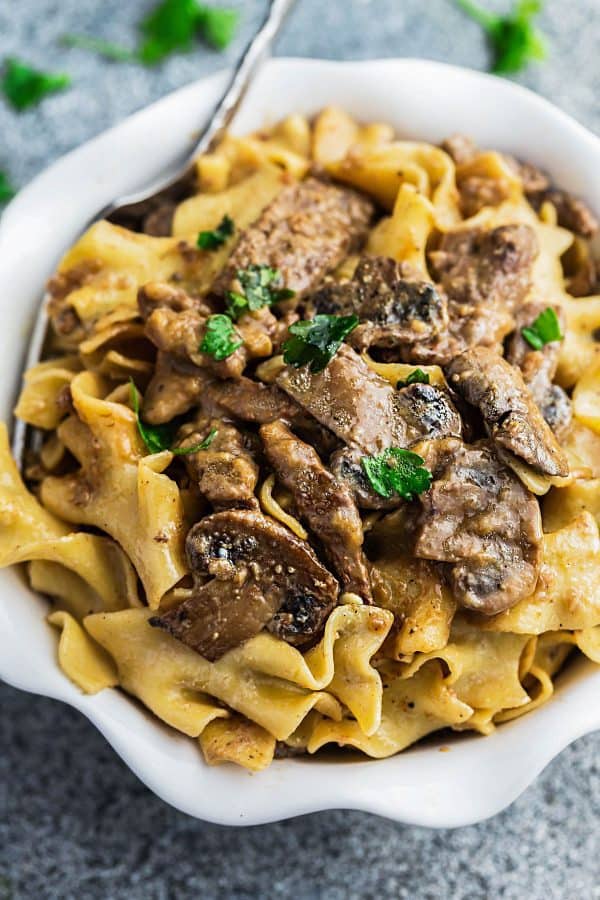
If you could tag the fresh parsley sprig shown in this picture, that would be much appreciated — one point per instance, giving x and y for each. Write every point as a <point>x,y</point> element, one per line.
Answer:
<point>218,339</point>
<point>397,471</point>
<point>260,287</point>
<point>211,240</point>
<point>514,40</point>
<point>7,192</point>
<point>24,86</point>
<point>160,437</point>
<point>417,376</point>
<point>316,341</point>
<point>174,24</point>
<point>543,330</point>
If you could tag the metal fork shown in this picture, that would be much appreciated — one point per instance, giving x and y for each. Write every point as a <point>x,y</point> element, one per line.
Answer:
<point>212,132</point>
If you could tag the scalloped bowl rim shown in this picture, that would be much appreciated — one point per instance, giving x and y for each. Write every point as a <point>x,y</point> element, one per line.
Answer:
<point>477,777</point>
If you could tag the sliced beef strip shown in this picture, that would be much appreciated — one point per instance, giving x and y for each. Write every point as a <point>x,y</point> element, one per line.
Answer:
<point>174,388</point>
<point>478,517</point>
<point>571,212</point>
<point>538,368</point>
<point>323,502</point>
<point>428,412</point>
<point>162,295</point>
<point>305,232</point>
<point>461,148</point>
<point>485,274</point>
<point>512,419</point>
<point>351,400</point>
<point>225,472</point>
<point>261,575</point>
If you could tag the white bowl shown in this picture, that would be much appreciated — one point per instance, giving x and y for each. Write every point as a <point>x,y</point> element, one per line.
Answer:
<point>478,776</point>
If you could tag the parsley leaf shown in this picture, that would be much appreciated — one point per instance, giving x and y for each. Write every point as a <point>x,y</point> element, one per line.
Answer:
<point>24,86</point>
<point>543,330</point>
<point>97,45</point>
<point>259,286</point>
<point>218,26</point>
<point>417,376</point>
<point>514,40</point>
<point>160,437</point>
<point>217,340</point>
<point>397,471</point>
<point>174,24</point>
<point>210,240</point>
<point>6,190</point>
<point>317,340</point>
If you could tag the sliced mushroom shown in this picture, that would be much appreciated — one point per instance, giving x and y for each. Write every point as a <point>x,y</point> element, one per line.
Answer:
<point>323,502</point>
<point>481,519</point>
<point>509,411</point>
<point>261,575</point>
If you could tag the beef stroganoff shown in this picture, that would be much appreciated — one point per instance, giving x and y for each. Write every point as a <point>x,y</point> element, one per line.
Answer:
<point>320,445</point>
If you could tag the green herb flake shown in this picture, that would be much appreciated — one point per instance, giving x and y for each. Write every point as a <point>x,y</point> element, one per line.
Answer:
<point>260,287</point>
<point>174,24</point>
<point>158,438</point>
<point>217,340</point>
<point>7,191</point>
<point>543,330</point>
<point>514,40</point>
<point>97,45</point>
<point>218,26</point>
<point>316,341</point>
<point>24,87</point>
<point>203,445</point>
<point>211,240</point>
<point>397,471</point>
<point>418,376</point>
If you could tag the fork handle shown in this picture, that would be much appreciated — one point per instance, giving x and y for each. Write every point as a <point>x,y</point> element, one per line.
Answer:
<point>242,76</point>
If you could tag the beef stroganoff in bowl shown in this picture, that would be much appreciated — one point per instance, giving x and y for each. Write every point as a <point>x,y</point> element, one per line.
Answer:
<point>321,445</point>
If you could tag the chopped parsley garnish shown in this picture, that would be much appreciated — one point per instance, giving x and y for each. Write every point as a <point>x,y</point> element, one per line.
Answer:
<point>397,471</point>
<point>543,330</point>
<point>260,288</point>
<point>218,341</point>
<point>97,45</point>
<point>210,240</point>
<point>7,192</point>
<point>174,24</point>
<point>160,437</point>
<point>417,376</point>
<point>24,87</point>
<point>514,40</point>
<point>316,341</point>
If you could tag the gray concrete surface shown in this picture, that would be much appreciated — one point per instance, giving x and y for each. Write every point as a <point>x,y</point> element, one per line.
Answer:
<point>74,822</point>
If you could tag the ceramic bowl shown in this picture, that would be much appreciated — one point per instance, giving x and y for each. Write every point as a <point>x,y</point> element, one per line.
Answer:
<point>478,776</point>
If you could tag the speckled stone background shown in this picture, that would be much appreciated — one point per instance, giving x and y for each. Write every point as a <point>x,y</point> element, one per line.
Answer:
<point>74,822</point>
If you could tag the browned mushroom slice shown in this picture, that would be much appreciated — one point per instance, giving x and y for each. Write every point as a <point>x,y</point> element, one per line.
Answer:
<point>481,519</point>
<point>323,502</point>
<point>225,471</point>
<point>262,575</point>
<point>510,414</point>
<point>538,368</point>
<point>351,400</point>
<point>572,213</point>
<point>305,232</point>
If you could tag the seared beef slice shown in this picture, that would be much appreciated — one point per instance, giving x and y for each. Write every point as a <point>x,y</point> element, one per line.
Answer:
<point>325,504</point>
<point>509,411</point>
<point>305,232</point>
